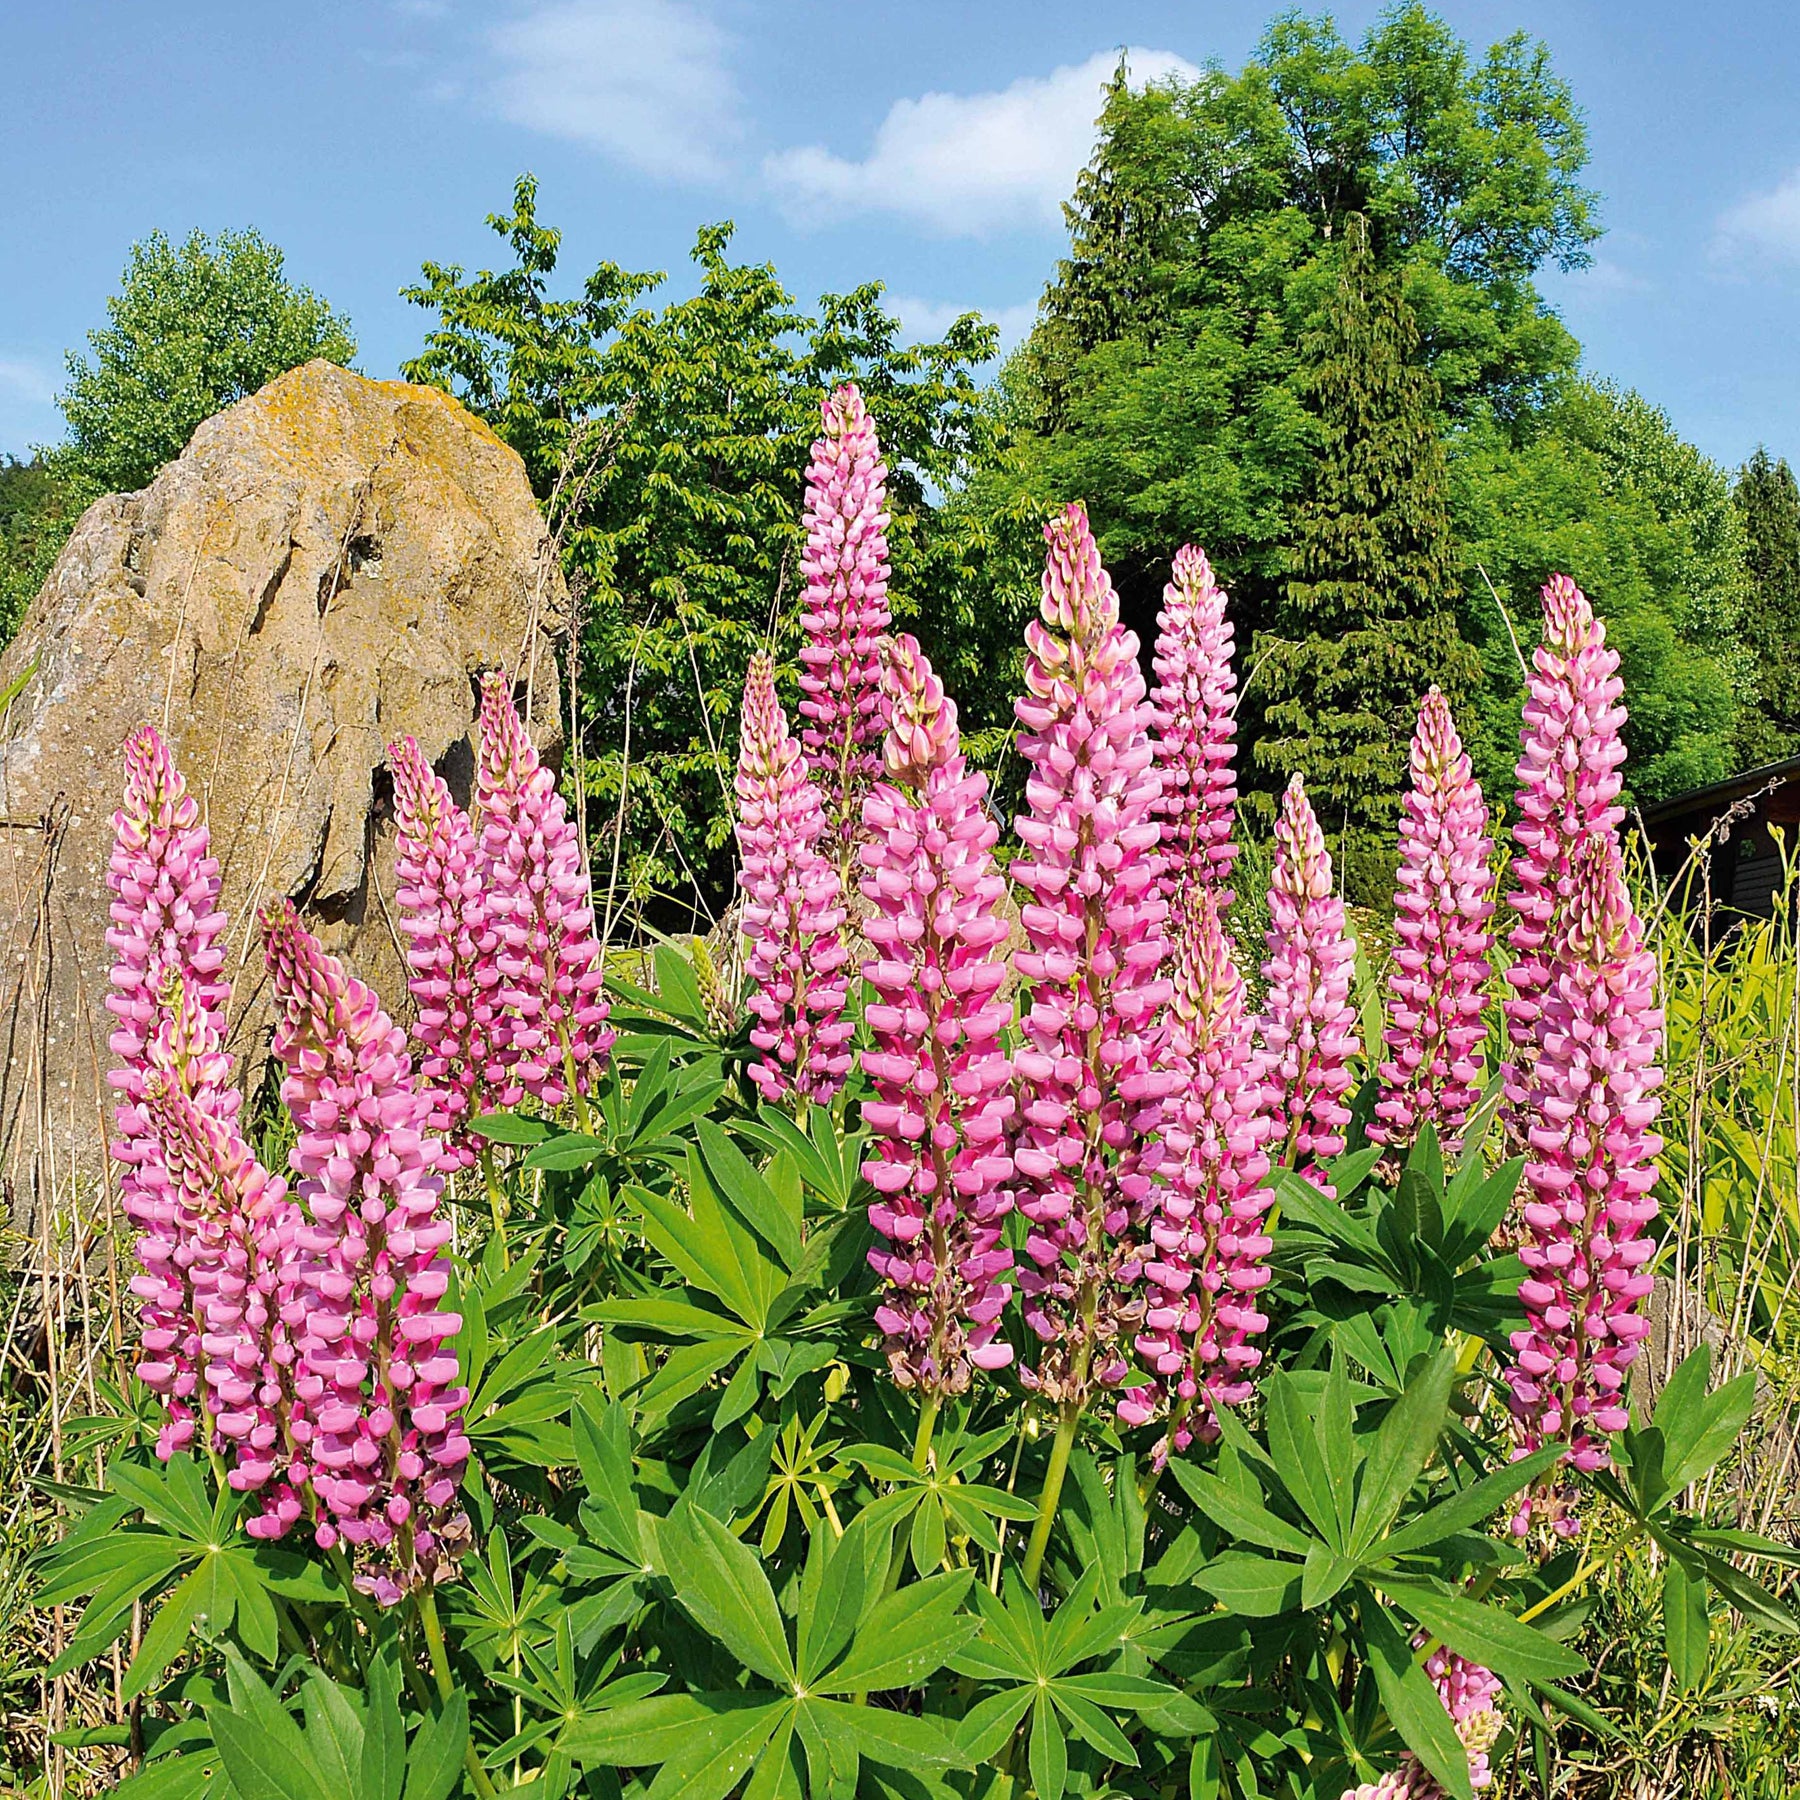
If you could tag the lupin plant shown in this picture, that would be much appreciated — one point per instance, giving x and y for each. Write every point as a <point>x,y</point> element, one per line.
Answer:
<point>1309,1019</point>
<point>943,1102</point>
<point>1196,729</point>
<point>1569,788</point>
<point>1438,973</point>
<point>1590,1169</point>
<point>1205,1261</point>
<point>168,1000</point>
<point>384,1440</point>
<point>552,979</point>
<point>1092,914</point>
<point>844,615</point>
<point>452,955</point>
<point>793,907</point>
<point>1190,1461</point>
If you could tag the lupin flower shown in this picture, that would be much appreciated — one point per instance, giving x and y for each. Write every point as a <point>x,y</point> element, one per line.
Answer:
<point>377,1374</point>
<point>169,1001</point>
<point>1196,723</point>
<point>1439,966</point>
<point>1591,1165</point>
<point>845,612</point>
<point>1309,1022</point>
<point>452,954</point>
<point>1469,1693</point>
<point>1205,1261</point>
<point>941,1169</point>
<point>1569,784</point>
<point>1093,918</point>
<point>793,907</point>
<point>552,977</point>
<point>239,1229</point>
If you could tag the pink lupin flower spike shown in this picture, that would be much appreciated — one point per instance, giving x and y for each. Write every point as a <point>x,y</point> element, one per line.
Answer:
<point>1309,1022</point>
<point>1206,1259</point>
<point>845,611</point>
<point>452,956</point>
<point>941,1170</point>
<point>377,1372</point>
<point>240,1229</point>
<point>1092,915</point>
<point>1196,725</point>
<point>169,1002</point>
<point>1439,966</point>
<point>552,977</point>
<point>1569,785</point>
<point>793,908</point>
<point>1592,1164</point>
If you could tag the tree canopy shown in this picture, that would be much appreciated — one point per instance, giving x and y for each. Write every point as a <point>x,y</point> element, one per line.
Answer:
<point>192,328</point>
<point>1767,505</point>
<point>1367,623</point>
<point>670,444</point>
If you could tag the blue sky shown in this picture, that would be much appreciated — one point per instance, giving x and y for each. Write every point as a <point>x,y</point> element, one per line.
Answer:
<point>925,144</point>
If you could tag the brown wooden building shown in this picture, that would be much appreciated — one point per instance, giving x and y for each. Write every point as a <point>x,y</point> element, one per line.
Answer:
<point>1737,814</point>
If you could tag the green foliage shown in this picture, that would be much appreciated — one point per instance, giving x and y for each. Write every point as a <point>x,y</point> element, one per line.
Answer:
<point>720,1552</point>
<point>1767,504</point>
<point>670,445</point>
<point>1367,624</point>
<point>1165,380</point>
<point>36,517</point>
<point>1598,486</point>
<point>193,328</point>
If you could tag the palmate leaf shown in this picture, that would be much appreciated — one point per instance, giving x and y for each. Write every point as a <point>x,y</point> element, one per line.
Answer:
<point>720,1583</point>
<point>1412,1701</point>
<point>908,1636</point>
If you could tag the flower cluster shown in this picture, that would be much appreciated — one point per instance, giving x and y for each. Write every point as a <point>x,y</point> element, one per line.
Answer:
<point>1569,786</point>
<point>793,907</point>
<point>1309,1021</point>
<point>461,1027</point>
<point>846,611</point>
<point>1093,918</point>
<point>1196,725</point>
<point>551,973</point>
<point>383,1434</point>
<point>169,1002</point>
<point>237,1239</point>
<point>942,1082</point>
<point>1432,1073</point>
<point>1591,1167</point>
<point>1205,1261</point>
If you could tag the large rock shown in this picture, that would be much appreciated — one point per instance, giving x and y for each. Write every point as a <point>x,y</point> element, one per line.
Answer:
<point>331,563</point>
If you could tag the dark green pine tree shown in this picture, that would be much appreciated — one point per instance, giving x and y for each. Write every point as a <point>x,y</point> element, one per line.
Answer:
<point>1768,502</point>
<point>1367,623</point>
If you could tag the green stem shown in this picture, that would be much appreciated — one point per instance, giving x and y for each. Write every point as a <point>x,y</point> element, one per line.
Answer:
<point>1597,1561</point>
<point>1060,1446</point>
<point>584,1120</point>
<point>928,1418</point>
<point>496,1200</point>
<point>440,1669</point>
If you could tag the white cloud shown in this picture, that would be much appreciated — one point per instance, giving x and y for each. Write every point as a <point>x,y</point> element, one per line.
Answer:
<point>645,81</point>
<point>930,319</point>
<point>1764,227</point>
<point>26,380</point>
<point>967,164</point>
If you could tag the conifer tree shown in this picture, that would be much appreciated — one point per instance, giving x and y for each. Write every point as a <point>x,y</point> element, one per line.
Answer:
<point>1367,623</point>
<point>1768,502</point>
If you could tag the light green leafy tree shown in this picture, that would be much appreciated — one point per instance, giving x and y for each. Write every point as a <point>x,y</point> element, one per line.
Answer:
<point>670,445</point>
<point>192,328</point>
